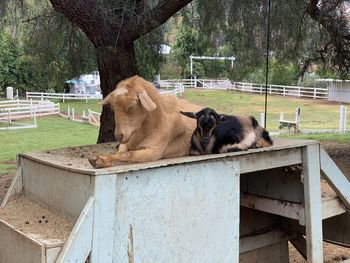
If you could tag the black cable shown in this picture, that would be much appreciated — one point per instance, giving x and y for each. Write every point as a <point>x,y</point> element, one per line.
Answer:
<point>267,60</point>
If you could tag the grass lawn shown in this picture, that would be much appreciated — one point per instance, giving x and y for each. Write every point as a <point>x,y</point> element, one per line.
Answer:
<point>52,132</point>
<point>315,114</point>
<point>342,138</point>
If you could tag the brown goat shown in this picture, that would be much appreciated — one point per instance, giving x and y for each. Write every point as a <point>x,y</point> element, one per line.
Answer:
<point>149,126</point>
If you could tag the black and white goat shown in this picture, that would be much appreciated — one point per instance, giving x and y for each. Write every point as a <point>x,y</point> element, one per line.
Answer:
<point>217,133</point>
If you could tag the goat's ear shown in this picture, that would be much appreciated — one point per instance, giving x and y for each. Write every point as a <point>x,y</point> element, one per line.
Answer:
<point>222,118</point>
<point>192,115</point>
<point>106,100</point>
<point>146,101</point>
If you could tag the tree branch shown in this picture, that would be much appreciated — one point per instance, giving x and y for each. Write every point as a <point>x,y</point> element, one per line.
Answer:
<point>338,48</point>
<point>151,19</point>
<point>86,14</point>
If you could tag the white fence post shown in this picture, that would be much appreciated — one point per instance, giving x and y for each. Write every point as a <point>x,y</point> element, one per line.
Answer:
<point>262,119</point>
<point>73,115</point>
<point>342,121</point>
<point>9,116</point>
<point>35,118</point>
<point>297,118</point>
<point>42,96</point>
<point>281,116</point>
<point>89,116</point>
<point>68,111</point>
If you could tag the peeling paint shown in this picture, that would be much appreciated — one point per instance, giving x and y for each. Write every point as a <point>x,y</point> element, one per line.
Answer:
<point>131,246</point>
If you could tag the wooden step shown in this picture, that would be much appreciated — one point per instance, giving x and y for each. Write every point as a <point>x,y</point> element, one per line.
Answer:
<point>31,233</point>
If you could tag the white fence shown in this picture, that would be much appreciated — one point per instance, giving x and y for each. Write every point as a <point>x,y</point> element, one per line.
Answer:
<point>225,84</point>
<point>295,91</point>
<point>13,110</point>
<point>62,96</point>
<point>178,90</point>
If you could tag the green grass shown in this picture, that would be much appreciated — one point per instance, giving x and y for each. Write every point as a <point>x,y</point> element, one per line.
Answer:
<point>315,114</point>
<point>341,138</point>
<point>52,132</point>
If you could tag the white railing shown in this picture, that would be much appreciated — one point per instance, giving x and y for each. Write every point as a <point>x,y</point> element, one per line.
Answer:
<point>225,84</point>
<point>13,110</point>
<point>62,96</point>
<point>179,89</point>
<point>283,90</point>
<point>94,117</point>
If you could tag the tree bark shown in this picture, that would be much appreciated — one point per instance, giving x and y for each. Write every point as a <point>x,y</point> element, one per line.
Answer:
<point>114,65</point>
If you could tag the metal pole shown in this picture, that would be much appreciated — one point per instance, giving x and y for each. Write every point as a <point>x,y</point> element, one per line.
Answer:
<point>267,59</point>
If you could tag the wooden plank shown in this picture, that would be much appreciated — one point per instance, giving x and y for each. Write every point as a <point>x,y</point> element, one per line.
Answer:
<point>78,245</point>
<point>254,221</point>
<point>276,253</point>
<point>104,217</point>
<point>312,195</point>
<point>284,153</point>
<point>262,240</point>
<point>52,254</point>
<point>335,178</point>
<point>183,213</point>
<point>279,183</point>
<point>332,207</point>
<point>337,229</point>
<point>56,188</point>
<point>273,206</point>
<point>15,188</point>
<point>299,243</point>
<point>17,247</point>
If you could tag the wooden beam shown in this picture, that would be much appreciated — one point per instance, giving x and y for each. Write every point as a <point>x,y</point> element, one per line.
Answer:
<point>312,195</point>
<point>335,178</point>
<point>257,241</point>
<point>78,245</point>
<point>299,243</point>
<point>273,206</point>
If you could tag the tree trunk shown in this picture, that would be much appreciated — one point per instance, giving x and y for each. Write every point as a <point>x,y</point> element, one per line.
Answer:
<point>114,65</point>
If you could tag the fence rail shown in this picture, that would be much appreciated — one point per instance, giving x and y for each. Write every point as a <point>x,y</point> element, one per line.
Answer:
<point>62,96</point>
<point>295,91</point>
<point>13,110</point>
<point>225,84</point>
<point>178,90</point>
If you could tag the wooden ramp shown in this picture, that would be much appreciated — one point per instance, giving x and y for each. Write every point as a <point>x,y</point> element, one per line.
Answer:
<point>234,207</point>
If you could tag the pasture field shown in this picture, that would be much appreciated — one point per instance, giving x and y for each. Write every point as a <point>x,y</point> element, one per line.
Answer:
<point>57,132</point>
<point>315,114</point>
<point>52,132</point>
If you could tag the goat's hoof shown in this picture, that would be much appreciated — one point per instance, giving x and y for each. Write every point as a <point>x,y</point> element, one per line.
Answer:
<point>96,162</point>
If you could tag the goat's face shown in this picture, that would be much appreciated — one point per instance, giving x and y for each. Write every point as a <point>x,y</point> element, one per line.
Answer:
<point>130,105</point>
<point>207,121</point>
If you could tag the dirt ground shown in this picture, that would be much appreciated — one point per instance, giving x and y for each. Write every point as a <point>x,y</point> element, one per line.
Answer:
<point>340,153</point>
